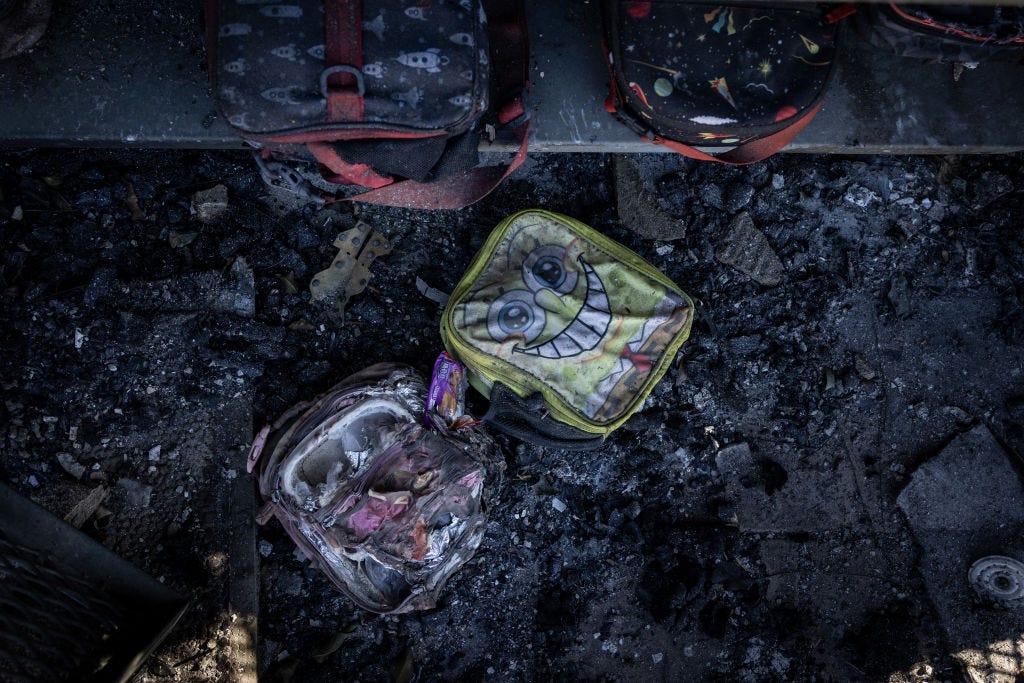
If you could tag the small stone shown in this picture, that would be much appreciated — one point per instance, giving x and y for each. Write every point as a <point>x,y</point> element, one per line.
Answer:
<point>79,338</point>
<point>209,205</point>
<point>657,657</point>
<point>32,481</point>
<point>137,493</point>
<point>664,249</point>
<point>70,465</point>
<point>778,181</point>
<point>864,369</point>
<point>181,239</point>
<point>860,196</point>
<point>558,505</point>
<point>154,453</point>
<point>266,548</point>
<point>899,296</point>
<point>738,197</point>
<point>17,214</point>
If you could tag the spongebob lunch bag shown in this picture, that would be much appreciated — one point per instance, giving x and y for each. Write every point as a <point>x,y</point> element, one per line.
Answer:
<point>739,80</point>
<point>392,96</point>
<point>565,330</point>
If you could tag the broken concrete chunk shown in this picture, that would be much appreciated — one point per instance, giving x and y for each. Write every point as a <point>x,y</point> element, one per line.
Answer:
<point>899,296</point>
<point>969,486</point>
<point>138,494</point>
<point>735,460</point>
<point>747,249</point>
<point>738,196</point>
<point>638,205</point>
<point>70,465</point>
<point>964,504</point>
<point>206,292</point>
<point>209,205</point>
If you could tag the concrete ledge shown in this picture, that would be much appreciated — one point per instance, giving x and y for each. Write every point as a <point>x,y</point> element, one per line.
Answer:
<point>133,74</point>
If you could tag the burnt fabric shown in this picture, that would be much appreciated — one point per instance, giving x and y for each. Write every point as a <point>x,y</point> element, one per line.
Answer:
<point>714,75</point>
<point>385,506</point>
<point>948,33</point>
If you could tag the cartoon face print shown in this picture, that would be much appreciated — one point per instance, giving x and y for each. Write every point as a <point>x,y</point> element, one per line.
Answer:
<point>570,314</point>
<point>558,314</point>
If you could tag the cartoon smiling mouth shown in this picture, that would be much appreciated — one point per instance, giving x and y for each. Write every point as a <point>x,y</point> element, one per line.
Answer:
<point>586,330</point>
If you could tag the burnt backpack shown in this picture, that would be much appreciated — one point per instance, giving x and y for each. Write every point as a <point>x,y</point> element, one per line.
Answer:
<point>946,33</point>
<point>394,96</point>
<point>745,79</point>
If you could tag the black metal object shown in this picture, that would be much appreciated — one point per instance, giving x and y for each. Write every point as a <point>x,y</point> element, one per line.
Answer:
<point>71,610</point>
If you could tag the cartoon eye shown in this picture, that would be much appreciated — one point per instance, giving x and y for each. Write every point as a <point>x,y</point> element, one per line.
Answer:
<point>544,268</point>
<point>513,314</point>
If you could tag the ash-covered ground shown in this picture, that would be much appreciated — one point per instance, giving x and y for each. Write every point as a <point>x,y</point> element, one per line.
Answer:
<point>859,320</point>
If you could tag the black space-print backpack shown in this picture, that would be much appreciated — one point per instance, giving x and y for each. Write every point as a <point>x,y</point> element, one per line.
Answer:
<point>744,78</point>
<point>946,33</point>
<point>393,96</point>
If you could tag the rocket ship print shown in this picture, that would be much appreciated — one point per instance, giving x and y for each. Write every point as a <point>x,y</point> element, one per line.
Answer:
<point>288,52</point>
<point>316,52</point>
<point>430,60</point>
<point>377,26</point>
<point>291,95</point>
<point>228,30</point>
<point>415,13</point>
<point>722,88</point>
<point>282,11</point>
<point>461,101</point>
<point>237,66</point>
<point>411,97</point>
<point>811,46</point>
<point>461,39</point>
<point>375,69</point>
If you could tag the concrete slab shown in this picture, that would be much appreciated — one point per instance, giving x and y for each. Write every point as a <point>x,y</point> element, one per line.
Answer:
<point>966,503</point>
<point>769,498</point>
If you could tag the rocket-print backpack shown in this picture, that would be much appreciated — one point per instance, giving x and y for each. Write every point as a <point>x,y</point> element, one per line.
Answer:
<point>747,78</point>
<point>390,95</point>
<point>946,33</point>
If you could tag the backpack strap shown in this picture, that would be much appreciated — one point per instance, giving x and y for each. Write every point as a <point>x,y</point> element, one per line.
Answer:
<point>747,153</point>
<point>343,171</point>
<point>525,419</point>
<point>342,79</point>
<point>506,33</point>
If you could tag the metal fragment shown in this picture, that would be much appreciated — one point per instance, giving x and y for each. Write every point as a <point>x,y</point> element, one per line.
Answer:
<point>349,273</point>
<point>998,578</point>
